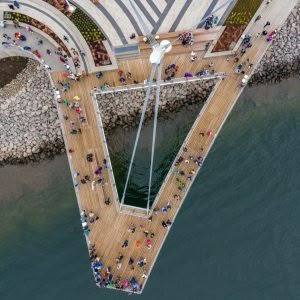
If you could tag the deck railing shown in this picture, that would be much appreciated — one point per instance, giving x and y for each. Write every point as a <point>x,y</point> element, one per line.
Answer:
<point>182,146</point>
<point>138,86</point>
<point>106,152</point>
<point>135,210</point>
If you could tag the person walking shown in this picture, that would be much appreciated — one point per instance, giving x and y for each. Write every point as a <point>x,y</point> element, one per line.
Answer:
<point>11,6</point>
<point>193,56</point>
<point>16,23</point>
<point>29,29</point>
<point>17,4</point>
<point>267,24</point>
<point>257,18</point>
<point>2,24</point>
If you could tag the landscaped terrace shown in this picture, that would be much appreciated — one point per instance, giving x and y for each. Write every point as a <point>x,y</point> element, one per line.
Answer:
<point>88,29</point>
<point>12,16</point>
<point>236,23</point>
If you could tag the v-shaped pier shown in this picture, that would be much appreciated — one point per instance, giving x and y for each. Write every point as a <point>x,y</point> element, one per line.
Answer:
<point>114,225</point>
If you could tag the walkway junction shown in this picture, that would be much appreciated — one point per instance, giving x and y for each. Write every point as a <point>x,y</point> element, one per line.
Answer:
<point>124,241</point>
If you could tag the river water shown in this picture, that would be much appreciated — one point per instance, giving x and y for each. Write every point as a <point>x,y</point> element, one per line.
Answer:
<point>237,235</point>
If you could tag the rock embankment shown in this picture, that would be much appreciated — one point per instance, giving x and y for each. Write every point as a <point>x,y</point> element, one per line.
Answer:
<point>119,109</point>
<point>18,83</point>
<point>29,125</point>
<point>282,59</point>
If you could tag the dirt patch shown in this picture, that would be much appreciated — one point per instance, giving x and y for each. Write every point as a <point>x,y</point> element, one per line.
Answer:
<point>10,67</point>
<point>229,38</point>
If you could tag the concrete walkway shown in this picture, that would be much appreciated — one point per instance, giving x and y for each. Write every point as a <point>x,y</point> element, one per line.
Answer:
<point>118,20</point>
<point>62,26</point>
<point>32,41</point>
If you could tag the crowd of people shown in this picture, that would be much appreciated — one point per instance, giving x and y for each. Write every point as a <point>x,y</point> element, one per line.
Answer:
<point>184,172</point>
<point>170,71</point>
<point>187,39</point>
<point>211,21</point>
<point>185,168</point>
<point>19,40</point>
<point>243,64</point>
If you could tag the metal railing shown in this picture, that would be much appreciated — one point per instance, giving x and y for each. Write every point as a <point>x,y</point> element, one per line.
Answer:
<point>183,145</point>
<point>135,210</point>
<point>138,86</point>
<point>106,152</point>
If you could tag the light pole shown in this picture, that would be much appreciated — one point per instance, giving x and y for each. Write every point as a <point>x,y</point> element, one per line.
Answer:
<point>71,8</point>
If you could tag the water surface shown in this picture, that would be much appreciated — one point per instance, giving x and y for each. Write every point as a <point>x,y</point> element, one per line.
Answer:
<point>237,235</point>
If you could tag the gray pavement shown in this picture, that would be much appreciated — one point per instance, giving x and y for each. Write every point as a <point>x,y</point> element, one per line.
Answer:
<point>32,41</point>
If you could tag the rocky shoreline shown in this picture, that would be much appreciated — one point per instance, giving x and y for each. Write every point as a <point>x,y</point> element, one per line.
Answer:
<point>118,110</point>
<point>282,59</point>
<point>29,125</point>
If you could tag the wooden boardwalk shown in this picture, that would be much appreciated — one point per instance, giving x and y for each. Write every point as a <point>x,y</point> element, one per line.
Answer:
<point>201,37</point>
<point>111,230</point>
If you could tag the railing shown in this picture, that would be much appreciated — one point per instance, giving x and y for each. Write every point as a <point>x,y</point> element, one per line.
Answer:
<point>60,115</point>
<point>106,152</point>
<point>171,82</point>
<point>182,146</point>
<point>134,210</point>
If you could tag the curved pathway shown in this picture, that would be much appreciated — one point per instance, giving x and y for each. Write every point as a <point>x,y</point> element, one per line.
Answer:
<point>32,41</point>
<point>62,26</point>
<point>53,19</point>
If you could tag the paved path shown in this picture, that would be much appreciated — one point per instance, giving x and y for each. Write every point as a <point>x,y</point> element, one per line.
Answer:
<point>110,231</point>
<point>62,26</point>
<point>118,20</point>
<point>32,41</point>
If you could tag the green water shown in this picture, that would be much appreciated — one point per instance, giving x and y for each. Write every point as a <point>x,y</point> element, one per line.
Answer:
<point>171,133</point>
<point>236,237</point>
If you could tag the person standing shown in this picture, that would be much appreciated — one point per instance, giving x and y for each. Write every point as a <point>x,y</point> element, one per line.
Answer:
<point>16,23</point>
<point>29,29</point>
<point>2,24</point>
<point>16,4</point>
<point>257,18</point>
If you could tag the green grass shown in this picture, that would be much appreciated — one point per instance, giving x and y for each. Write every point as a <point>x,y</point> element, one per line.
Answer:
<point>243,12</point>
<point>16,16</point>
<point>86,26</point>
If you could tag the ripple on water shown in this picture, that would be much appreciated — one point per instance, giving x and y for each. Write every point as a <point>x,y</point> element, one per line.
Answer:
<point>236,236</point>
